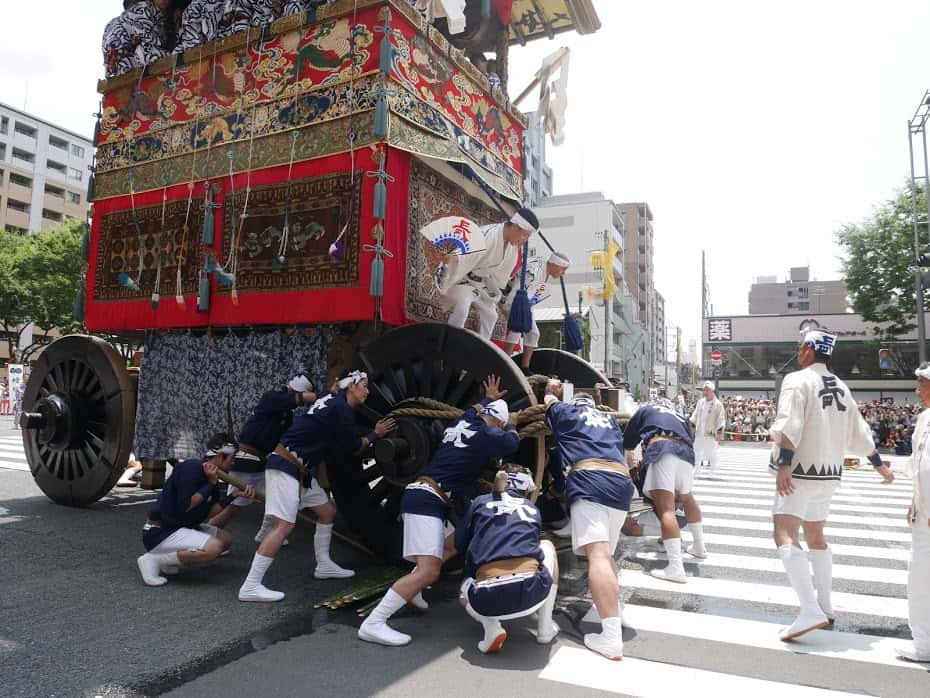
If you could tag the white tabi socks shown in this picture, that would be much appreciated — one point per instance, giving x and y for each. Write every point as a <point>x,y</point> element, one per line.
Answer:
<point>675,571</point>
<point>325,567</point>
<point>822,566</point>
<point>546,628</point>
<point>609,642</point>
<point>375,628</point>
<point>697,548</point>
<point>811,617</point>
<point>151,565</point>
<point>252,588</point>
<point>494,634</point>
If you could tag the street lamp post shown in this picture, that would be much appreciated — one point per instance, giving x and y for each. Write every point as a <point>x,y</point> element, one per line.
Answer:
<point>918,124</point>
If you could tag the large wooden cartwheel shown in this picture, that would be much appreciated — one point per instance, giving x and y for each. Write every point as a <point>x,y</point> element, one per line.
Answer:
<point>429,360</point>
<point>78,418</point>
<point>567,367</point>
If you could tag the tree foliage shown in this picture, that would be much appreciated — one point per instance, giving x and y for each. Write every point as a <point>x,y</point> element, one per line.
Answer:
<point>39,274</point>
<point>879,264</point>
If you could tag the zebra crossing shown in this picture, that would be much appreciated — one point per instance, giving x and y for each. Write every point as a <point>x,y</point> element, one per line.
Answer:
<point>738,598</point>
<point>12,456</point>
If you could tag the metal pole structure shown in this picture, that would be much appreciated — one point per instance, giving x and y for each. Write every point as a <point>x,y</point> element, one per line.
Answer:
<point>918,285</point>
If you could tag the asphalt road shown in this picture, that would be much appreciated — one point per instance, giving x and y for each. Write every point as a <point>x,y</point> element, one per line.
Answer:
<point>76,620</point>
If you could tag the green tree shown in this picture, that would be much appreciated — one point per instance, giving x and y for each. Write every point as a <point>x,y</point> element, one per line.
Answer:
<point>12,290</point>
<point>879,263</point>
<point>51,270</point>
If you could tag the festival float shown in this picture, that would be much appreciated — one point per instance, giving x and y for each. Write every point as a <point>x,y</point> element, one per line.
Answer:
<point>257,208</point>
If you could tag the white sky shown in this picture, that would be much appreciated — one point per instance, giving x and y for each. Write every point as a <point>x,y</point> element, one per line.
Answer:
<point>753,129</point>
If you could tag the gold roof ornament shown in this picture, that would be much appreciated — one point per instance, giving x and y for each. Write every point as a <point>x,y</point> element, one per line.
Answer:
<point>537,19</point>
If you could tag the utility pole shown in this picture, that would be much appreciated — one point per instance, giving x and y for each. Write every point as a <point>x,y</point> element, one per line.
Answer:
<point>918,124</point>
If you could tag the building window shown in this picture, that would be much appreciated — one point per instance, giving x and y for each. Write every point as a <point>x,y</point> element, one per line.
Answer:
<point>54,191</point>
<point>2,151</point>
<point>74,173</point>
<point>21,154</point>
<point>14,229</point>
<point>790,293</point>
<point>20,180</point>
<point>77,151</point>
<point>51,215</point>
<point>56,166</point>
<point>802,292</point>
<point>4,125</point>
<point>804,305</point>
<point>57,142</point>
<point>790,306</point>
<point>15,205</point>
<point>25,130</point>
<point>74,198</point>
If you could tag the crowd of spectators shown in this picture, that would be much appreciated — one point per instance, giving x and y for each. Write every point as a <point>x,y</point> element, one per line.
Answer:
<point>749,419</point>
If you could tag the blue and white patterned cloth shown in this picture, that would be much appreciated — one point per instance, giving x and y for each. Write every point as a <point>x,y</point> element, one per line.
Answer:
<point>186,380</point>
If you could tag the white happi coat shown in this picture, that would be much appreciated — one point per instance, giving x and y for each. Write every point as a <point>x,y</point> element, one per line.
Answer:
<point>817,413</point>
<point>716,418</point>
<point>918,571</point>
<point>487,271</point>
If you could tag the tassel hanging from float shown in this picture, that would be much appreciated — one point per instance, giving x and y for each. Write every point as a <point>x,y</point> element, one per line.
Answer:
<point>203,295</point>
<point>376,287</point>
<point>85,243</point>
<point>209,220</point>
<point>571,332</point>
<point>91,185</point>
<point>156,297</point>
<point>80,301</point>
<point>521,312</point>
<point>379,209</point>
<point>386,56</point>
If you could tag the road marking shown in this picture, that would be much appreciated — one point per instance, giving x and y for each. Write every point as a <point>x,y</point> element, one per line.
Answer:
<point>839,549</point>
<point>878,575</point>
<point>767,504</point>
<point>770,480</point>
<point>14,465</point>
<point>737,631</point>
<point>645,679</point>
<point>843,602</point>
<point>860,533</point>
<point>897,521</point>
<point>842,494</point>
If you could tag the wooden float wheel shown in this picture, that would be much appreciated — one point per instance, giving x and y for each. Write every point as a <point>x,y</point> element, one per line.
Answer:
<point>567,367</point>
<point>78,419</point>
<point>434,361</point>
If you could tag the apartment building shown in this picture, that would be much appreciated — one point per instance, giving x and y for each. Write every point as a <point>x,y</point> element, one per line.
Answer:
<point>538,176</point>
<point>639,270</point>
<point>43,172</point>
<point>798,294</point>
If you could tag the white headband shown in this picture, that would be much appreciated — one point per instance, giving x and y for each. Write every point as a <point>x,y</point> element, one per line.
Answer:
<point>521,482</point>
<point>559,260</point>
<point>300,384</point>
<point>708,384</point>
<point>227,449</point>
<point>821,342</point>
<point>497,409</point>
<point>583,399</point>
<point>923,372</point>
<point>353,378</point>
<point>520,221</point>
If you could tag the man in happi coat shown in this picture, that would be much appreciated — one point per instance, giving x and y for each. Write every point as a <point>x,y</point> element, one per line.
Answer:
<point>817,425</point>
<point>478,279</point>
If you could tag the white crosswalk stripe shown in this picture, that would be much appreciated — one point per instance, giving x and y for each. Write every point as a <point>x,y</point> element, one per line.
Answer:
<point>12,456</point>
<point>740,596</point>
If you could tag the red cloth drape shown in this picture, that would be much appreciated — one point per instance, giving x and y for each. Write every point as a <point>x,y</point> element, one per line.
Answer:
<point>504,10</point>
<point>273,307</point>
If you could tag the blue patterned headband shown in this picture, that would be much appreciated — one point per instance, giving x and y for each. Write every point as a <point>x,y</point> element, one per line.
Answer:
<point>820,341</point>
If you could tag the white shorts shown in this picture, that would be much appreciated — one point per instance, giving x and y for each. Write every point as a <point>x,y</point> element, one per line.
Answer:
<point>671,474</point>
<point>257,480</point>
<point>283,497</point>
<point>425,535</point>
<point>595,523</point>
<point>186,539</point>
<point>810,501</point>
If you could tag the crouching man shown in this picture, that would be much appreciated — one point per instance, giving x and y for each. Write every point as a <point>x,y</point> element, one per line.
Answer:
<point>511,573</point>
<point>175,533</point>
